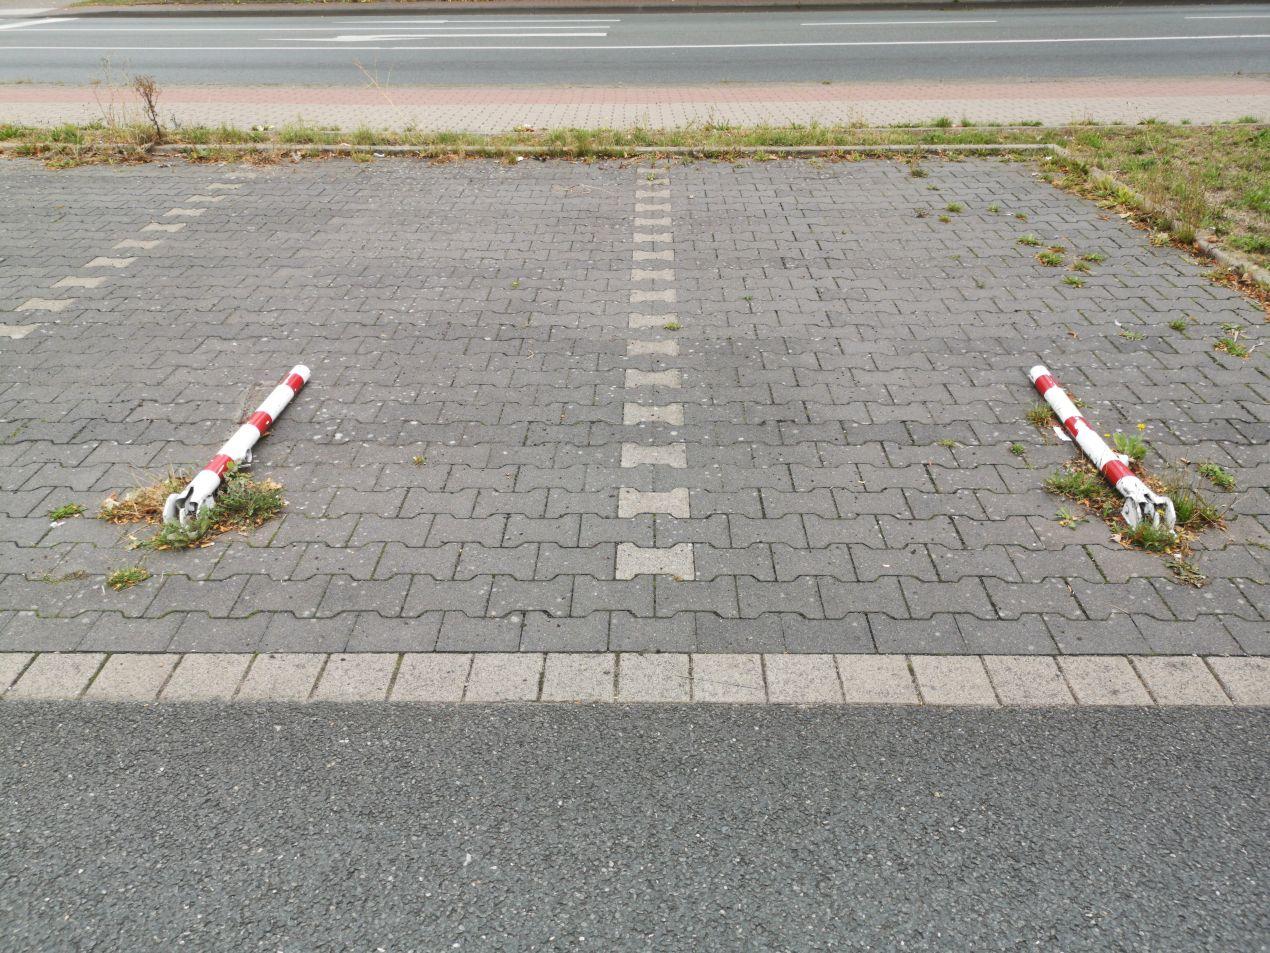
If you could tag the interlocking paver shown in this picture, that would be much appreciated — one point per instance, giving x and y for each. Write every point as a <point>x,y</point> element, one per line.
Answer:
<point>508,465</point>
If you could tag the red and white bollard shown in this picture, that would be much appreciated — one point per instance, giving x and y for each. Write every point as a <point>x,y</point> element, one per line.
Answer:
<point>198,496</point>
<point>1140,501</point>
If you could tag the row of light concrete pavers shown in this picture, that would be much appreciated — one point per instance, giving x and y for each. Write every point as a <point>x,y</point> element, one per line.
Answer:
<point>990,680</point>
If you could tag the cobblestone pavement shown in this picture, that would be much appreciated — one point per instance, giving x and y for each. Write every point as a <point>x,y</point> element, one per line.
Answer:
<point>499,109</point>
<point>817,461</point>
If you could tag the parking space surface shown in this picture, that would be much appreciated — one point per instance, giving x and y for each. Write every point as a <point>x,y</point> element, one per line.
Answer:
<point>762,407</point>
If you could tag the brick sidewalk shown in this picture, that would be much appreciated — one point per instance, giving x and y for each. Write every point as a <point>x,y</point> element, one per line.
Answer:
<point>494,109</point>
<point>820,459</point>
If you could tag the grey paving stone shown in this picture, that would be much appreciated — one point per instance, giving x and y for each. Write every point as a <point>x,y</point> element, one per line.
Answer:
<point>56,675</point>
<point>286,677</point>
<point>728,678</point>
<point>131,677</point>
<point>654,677</point>
<point>804,440</point>
<point>1246,680</point>
<point>206,677</point>
<point>877,680</point>
<point>802,679</point>
<point>1105,680</point>
<point>432,677</point>
<point>503,677</point>
<point>11,666</point>
<point>952,680</point>
<point>579,677</point>
<point>1027,680</point>
<point>1179,680</point>
<point>360,677</point>
<point>543,633</point>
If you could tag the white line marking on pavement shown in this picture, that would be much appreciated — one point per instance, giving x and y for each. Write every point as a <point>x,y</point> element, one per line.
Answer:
<point>653,236</point>
<point>402,27</point>
<point>24,11</point>
<point>45,304</point>
<point>633,48</point>
<point>672,414</point>
<point>100,262</point>
<point>157,227</point>
<point>352,38</point>
<point>16,331</point>
<point>636,378</point>
<point>674,561</point>
<point>645,274</point>
<point>667,296</point>
<point>1234,16</point>
<point>22,24</point>
<point>137,243</point>
<point>631,502</point>
<point>76,281</point>
<point>892,22</point>
<point>638,320</point>
<point>667,348</point>
<point>673,455</point>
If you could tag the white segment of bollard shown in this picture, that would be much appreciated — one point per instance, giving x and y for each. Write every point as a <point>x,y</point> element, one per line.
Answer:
<point>206,482</point>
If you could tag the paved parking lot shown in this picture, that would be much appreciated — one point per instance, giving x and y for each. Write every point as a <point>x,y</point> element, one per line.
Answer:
<point>774,476</point>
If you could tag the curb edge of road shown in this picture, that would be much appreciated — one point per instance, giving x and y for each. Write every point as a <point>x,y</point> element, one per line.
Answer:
<point>927,681</point>
<point>477,7</point>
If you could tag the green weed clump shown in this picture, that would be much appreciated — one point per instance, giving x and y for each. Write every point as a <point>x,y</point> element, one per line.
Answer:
<point>65,511</point>
<point>241,504</point>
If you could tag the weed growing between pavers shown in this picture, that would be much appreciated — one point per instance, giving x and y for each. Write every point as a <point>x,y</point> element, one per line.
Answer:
<point>1081,482</point>
<point>241,504</point>
<point>65,511</point>
<point>126,578</point>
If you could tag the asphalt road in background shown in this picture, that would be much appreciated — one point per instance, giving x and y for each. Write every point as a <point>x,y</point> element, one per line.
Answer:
<point>620,828</point>
<point>597,49</point>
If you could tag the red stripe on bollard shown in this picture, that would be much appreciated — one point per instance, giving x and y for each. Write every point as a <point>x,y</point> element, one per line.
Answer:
<point>1070,424</point>
<point>261,421</point>
<point>219,464</point>
<point>295,382</point>
<point>1044,383</point>
<point>1115,471</point>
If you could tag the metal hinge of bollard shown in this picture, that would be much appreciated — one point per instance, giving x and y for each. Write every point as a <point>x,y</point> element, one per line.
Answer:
<point>201,491</point>
<point>1140,501</point>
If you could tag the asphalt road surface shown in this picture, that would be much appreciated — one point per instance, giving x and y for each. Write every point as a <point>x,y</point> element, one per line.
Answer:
<point>576,828</point>
<point>597,49</point>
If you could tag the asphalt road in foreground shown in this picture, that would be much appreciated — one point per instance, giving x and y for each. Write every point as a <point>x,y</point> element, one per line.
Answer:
<point>597,49</point>
<point>407,828</point>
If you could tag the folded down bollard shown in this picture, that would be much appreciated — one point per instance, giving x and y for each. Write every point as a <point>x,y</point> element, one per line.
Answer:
<point>1140,501</point>
<point>199,494</point>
